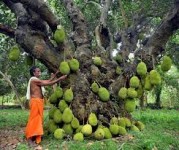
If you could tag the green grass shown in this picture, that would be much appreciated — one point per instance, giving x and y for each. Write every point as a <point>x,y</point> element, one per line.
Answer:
<point>161,132</point>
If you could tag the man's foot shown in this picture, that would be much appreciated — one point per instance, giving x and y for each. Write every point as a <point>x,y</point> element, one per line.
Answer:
<point>31,143</point>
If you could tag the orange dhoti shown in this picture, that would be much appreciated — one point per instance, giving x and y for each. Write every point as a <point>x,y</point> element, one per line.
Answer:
<point>34,126</point>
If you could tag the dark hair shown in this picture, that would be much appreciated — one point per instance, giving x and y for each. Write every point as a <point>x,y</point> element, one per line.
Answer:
<point>32,70</point>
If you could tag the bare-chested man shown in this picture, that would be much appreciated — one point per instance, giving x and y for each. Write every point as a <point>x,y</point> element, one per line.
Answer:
<point>34,128</point>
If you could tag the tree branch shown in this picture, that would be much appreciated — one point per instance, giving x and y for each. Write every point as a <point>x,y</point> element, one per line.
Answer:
<point>42,9</point>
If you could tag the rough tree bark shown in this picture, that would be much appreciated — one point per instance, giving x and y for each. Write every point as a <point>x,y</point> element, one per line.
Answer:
<point>32,35</point>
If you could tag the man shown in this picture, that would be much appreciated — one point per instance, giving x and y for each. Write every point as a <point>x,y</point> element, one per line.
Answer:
<point>34,128</point>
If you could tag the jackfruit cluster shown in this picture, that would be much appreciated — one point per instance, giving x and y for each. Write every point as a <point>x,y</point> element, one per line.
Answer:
<point>71,65</point>
<point>14,53</point>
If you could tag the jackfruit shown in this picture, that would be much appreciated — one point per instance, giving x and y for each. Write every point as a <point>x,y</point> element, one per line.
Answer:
<point>134,82</point>
<point>78,129</point>
<point>52,126</point>
<point>59,134</point>
<point>86,130</point>
<point>122,122</point>
<point>62,105</point>
<point>74,64</point>
<point>14,53</point>
<point>139,125</point>
<point>114,120</point>
<point>53,98</point>
<point>92,119</point>
<point>29,60</point>
<point>94,87</point>
<point>114,129</point>
<point>99,134</point>
<point>118,70</point>
<point>128,122</point>
<point>131,93</point>
<point>51,112</point>
<point>97,61</point>
<point>67,115</point>
<point>118,58</point>
<point>147,83</point>
<point>166,63</point>
<point>64,68</point>
<point>130,105</point>
<point>107,133</point>
<point>59,92</point>
<point>78,137</point>
<point>122,131</point>
<point>68,128</point>
<point>59,34</point>
<point>155,78</point>
<point>134,128</point>
<point>103,94</point>
<point>57,116</point>
<point>75,123</point>
<point>68,95</point>
<point>122,93</point>
<point>142,69</point>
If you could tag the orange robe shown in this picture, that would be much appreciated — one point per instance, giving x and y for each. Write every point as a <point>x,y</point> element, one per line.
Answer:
<point>34,126</point>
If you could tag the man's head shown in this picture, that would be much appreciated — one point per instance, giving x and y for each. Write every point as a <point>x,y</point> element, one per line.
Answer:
<point>35,71</point>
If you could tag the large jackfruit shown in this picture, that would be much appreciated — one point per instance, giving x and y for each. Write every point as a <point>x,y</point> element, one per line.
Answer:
<point>86,129</point>
<point>95,87</point>
<point>64,68</point>
<point>142,69</point>
<point>155,77</point>
<point>58,92</point>
<point>114,120</point>
<point>139,125</point>
<point>78,137</point>
<point>51,112</point>
<point>166,63</point>
<point>131,93</point>
<point>134,82</point>
<point>68,128</point>
<point>62,105</point>
<point>68,95</point>
<point>74,64</point>
<point>92,119</point>
<point>59,134</point>
<point>97,61</point>
<point>130,105</point>
<point>14,53</point>
<point>114,129</point>
<point>134,128</point>
<point>107,133</point>
<point>53,98</point>
<point>57,116</point>
<point>103,94</point>
<point>122,93</point>
<point>52,126</point>
<point>127,122</point>
<point>75,123</point>
<point>99,134</point>
<point>59,34</point>
<point>122,122</point>
<point>147,83</point>
<point>122,131</point>
<point>67,115</point>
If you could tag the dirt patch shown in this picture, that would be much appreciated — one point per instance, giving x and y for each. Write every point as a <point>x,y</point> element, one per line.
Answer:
<point>10,138</point>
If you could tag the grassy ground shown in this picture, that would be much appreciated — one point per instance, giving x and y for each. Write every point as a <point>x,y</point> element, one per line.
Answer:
<point>161,132</point>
